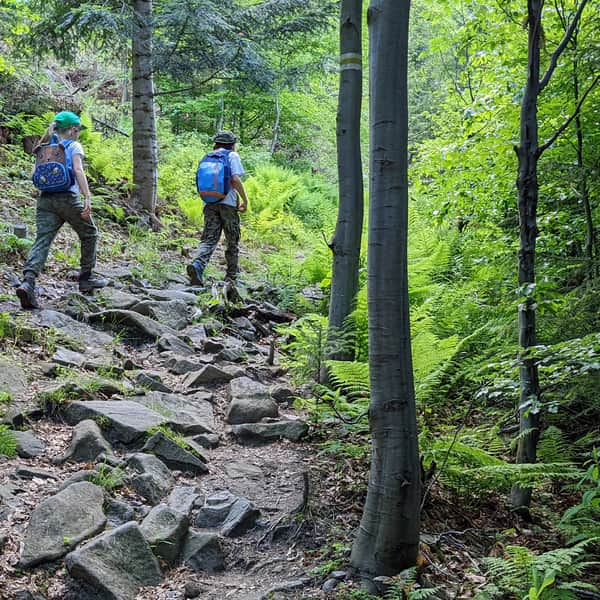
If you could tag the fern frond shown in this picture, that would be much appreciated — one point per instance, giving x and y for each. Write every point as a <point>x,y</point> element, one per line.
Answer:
<point>351,377</point>
<point>8,442</point>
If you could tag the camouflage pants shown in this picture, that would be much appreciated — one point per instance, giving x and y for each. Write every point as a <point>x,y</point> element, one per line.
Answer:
<point>218,218</point>
<point>53,210</point>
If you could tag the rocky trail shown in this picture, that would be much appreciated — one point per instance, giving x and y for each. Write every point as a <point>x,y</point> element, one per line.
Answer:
<point>159,455</point>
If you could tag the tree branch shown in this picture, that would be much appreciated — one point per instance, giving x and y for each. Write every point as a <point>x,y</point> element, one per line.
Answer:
<point>560,130</point>
<point>561,46</point>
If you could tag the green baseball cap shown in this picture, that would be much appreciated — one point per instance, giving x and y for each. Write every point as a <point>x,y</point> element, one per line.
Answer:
<point>66,119</point>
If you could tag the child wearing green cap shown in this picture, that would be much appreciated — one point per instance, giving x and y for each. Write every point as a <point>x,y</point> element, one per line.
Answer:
<point>54,209</point>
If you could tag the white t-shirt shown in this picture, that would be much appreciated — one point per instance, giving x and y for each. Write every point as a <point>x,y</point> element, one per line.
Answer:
<point>235,164</point>
<point>73,149</point>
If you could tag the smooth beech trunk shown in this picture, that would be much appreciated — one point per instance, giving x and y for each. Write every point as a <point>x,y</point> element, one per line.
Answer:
<point>145,147</point>
<point>388,536</point>
<point>345,245</point>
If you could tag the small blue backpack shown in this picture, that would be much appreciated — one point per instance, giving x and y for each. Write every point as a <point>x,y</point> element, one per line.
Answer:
<point>53,171</point>
<point>213,176</point>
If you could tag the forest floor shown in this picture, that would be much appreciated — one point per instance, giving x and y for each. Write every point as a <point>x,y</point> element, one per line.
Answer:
<point>310,500</point>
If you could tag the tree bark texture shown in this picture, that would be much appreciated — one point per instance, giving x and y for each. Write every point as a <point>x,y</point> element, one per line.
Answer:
<point>145,147</point>
<point>345,245</point>
<point>527,186</point>
<point>388,536</point>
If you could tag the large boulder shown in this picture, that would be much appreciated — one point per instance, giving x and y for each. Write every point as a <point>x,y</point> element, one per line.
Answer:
<point>126,421</point>
<point>173,455</point>
<point>191,414</point>
<point>172,313</point>
<point>165,530</point>
<point>148,328</point>
<point>28,446</point>
<point>87,443</point>
<point>249,402</point>
<point>203,552</point>
<point>60,522</point>
<point>152,479</point>
<point>115,565</point>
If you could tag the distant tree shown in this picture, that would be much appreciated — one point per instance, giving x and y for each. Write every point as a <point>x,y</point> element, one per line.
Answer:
<point>345,244</point>
<point>110,28</point>
<point>529,152</point>
<point>388,536</point>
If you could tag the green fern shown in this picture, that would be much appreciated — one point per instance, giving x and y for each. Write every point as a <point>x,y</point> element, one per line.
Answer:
<point>553,447</point>
<point>351,377</point>
<point>8,442</point>
<point>549,576</point>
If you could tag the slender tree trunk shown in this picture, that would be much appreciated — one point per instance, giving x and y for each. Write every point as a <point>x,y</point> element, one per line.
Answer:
<point>346,241</point>
<point>590,234</point>
<point>145,147</point>
<point>527,186</point>
<point>388,536</point>
<point>276,125</point>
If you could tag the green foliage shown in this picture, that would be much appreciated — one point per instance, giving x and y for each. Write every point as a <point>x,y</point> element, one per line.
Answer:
<point>174,436</point>
<point>583,519</point>
<point>305,344</point>
<point>108,477</point>
<point>8,442</point>
<point>553,575</point>
<point>12,247</point>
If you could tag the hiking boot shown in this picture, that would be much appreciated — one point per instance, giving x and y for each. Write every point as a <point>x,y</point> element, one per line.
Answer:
<point>27,295</point>
<point>194,271</point>
<point>89,282</point>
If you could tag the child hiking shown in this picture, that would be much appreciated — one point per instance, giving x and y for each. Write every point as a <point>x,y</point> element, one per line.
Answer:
<point>218,181</point>
<point>59,175</point>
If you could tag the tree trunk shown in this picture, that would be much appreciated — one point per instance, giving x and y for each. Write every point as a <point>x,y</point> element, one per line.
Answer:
<point>527,186</point>
<point>590,237</point>
<point>145,147</point>
<point>345,245</point>
<point>276,125</point>
<point>388,536</point>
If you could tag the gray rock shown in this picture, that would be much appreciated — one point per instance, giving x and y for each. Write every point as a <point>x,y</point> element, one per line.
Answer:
<point>183,498</point>
<point>330,585</point>
<point>115,565</point>
<point>213,346</point>
<point>126,421</point>
<point>118,512</point>
<point>203,552</point>
<point>197,334</point>
<point>12,378</point>
<point>282,393</point>
<point>237,469</point>
<point>62,521</point>
<point>3,541</point>
<point>250,402</point>
<point>293,430</point>
<point>165,529</point>
<point>241,518</point>
<point>87,443</point>
<point>92,361</point>
<point>215,510</point>
<point>234,355</point>
<point>172,343</point>
<point>187,297</point>
<point>81,333</point>
<point>113,298</point>
<point>77,477</point>
<point>205,440</point>
<point>28,445</point>
<point>173,455</point>
<point>173,313</point>
<point>193,589</point>
<point>26,472</point>
<point>152,380</point>
<point>144,325</point>
<point>181,365</point>
<point>207,374</point>
<point>287,586</point>
<point>187,414</point>
<point>153,479</point>
<point>27,595</point>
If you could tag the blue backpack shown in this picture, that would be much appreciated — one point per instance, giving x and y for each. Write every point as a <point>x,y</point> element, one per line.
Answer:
<point>213,176</point>
<point>53,171</point>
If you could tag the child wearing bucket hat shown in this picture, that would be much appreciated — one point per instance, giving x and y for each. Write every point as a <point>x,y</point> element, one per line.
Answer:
<point>54,208</point>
